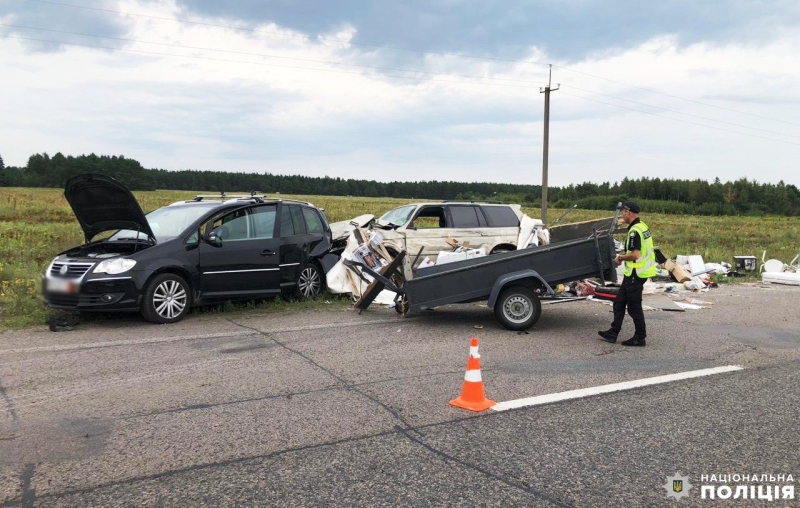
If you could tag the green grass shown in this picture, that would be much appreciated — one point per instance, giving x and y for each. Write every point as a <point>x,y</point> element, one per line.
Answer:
<point>37,224</point>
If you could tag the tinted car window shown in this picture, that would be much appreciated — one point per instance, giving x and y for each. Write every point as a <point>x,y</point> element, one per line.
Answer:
<point>234,226</point>
<point>313,222</point>
<point>287,228</point>
<point>297,220</point>
<point>464,217</point>
<point>501,217</point>
<point>238,227</point>
<point>264,221</point>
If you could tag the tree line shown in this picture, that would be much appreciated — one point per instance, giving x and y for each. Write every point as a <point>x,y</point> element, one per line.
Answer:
<point>700,197</point>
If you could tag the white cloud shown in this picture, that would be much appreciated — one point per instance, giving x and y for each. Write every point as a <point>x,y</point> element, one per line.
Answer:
<point>234,109</point>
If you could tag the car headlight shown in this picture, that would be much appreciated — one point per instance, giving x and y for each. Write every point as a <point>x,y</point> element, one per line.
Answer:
<point>114,266</point>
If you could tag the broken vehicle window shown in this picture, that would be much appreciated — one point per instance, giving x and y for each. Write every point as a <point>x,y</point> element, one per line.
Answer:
<point>430,217</point>
<point>398,216</point>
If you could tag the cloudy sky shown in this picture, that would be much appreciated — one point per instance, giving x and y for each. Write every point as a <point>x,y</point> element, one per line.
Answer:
<point>412,90</point>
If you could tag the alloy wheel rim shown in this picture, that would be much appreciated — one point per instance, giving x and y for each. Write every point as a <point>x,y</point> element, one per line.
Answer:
<point>169,299</point>
<point>517,309</point>
<point>309,283</point>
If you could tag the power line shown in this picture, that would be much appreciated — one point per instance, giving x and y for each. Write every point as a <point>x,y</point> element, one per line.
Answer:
<point>412,78</point>
<point>266,55</point>
<point>395,69</point>
<point>394,48</point>
<point>96,46</point>
<point>679,120</point>
<point>675,96</point>
<point>386,75</point>
<point>681,113</point>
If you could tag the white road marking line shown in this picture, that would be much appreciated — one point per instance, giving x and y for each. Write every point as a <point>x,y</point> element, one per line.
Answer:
<point>615,387</point>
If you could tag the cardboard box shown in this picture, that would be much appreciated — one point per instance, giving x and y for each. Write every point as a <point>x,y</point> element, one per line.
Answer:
<point>677,271</point>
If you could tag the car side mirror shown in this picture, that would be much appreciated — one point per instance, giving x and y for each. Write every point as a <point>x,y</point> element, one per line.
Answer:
<point>214,240</point>
<point>411,225</point>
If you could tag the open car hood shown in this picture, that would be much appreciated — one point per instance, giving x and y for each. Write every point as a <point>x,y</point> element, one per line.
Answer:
<point>103,204</point>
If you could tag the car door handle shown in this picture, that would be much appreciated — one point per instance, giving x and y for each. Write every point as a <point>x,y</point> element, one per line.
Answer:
<point>268,253</point>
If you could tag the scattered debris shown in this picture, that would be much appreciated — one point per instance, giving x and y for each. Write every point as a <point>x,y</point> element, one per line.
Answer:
<point>746,263</point>
<point>689,306</point>
<point>775,271</point>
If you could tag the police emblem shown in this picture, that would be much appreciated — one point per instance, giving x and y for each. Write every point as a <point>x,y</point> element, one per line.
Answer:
<point>677,486</point>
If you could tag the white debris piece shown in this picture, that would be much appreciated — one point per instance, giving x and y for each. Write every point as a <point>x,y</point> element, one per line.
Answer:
<point>531,233</point>
<point>445,257</point>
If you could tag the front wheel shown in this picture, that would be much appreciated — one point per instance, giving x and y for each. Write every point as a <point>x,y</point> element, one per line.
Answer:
<point>310,284</point>
<point>517,308</point>
<point>167,299</point>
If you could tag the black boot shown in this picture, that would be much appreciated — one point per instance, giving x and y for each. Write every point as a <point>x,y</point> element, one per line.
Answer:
<point>608,336</point>
<point>635,341</point>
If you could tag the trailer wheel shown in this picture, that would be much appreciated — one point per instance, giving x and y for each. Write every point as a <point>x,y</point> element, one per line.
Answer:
<point>517,308</point>
<point>401,305</point>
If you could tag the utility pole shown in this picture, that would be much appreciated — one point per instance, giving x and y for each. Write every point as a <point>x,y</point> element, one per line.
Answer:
<point>546,91</point>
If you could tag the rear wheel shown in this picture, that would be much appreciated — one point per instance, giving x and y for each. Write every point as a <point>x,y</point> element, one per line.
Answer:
<point>167,299</point>
<point>310,284</point>
<point>517,308</point>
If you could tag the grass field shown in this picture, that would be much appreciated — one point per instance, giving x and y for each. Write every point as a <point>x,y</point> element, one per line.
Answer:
<point>37,224</point>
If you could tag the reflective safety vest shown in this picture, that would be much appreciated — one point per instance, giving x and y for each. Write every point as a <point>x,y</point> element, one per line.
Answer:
<point>646,264</point>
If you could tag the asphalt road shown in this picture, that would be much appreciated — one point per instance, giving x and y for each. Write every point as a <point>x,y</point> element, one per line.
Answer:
<point>326,407</point>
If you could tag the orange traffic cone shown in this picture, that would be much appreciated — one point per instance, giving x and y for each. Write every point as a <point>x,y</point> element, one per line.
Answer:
<point>472,395</point>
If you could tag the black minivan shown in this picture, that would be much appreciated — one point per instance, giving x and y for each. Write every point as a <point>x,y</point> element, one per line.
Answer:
<point>204,250</point>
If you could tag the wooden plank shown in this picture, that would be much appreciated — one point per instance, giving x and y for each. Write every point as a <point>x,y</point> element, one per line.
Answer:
<point>376,286</point>
<point>359,235</point>
<point>355,286</point>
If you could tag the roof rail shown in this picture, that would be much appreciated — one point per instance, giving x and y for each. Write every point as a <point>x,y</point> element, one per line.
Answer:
<point>224,195</point>
<point>479,202</point>
<point>296,201</point>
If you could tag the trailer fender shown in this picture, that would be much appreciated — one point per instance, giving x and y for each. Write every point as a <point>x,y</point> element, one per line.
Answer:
<point>508,278</point>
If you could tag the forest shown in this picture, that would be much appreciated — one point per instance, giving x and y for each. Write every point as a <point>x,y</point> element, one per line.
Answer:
<point>691,197</point>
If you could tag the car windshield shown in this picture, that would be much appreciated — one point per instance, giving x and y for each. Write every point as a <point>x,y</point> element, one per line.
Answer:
<point>398,216</point>
<point>167,222</point>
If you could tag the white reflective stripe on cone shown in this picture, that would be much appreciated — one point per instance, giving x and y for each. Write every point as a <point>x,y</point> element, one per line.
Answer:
<point>473,376</point>
<point>473,352</point>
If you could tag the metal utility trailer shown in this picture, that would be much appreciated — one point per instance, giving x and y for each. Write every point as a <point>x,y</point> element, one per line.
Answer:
<point>512,282</point>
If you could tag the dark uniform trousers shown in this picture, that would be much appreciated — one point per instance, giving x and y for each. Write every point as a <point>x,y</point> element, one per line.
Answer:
<point>630,296</point>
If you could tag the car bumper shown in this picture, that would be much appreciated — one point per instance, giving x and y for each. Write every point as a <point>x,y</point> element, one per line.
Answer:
<point>99,294</point>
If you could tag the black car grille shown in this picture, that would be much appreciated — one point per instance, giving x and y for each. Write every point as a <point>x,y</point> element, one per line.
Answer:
<point>63,300</point>
<point>74,270</point>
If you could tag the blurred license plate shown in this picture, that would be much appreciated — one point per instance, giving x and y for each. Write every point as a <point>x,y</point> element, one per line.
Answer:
<point>61,286</point>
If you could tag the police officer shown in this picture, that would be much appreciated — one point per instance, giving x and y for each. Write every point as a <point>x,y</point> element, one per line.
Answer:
<point>640,264</point>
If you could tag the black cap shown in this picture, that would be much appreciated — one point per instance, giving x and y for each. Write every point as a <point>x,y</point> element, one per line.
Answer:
<point>630,205</point>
